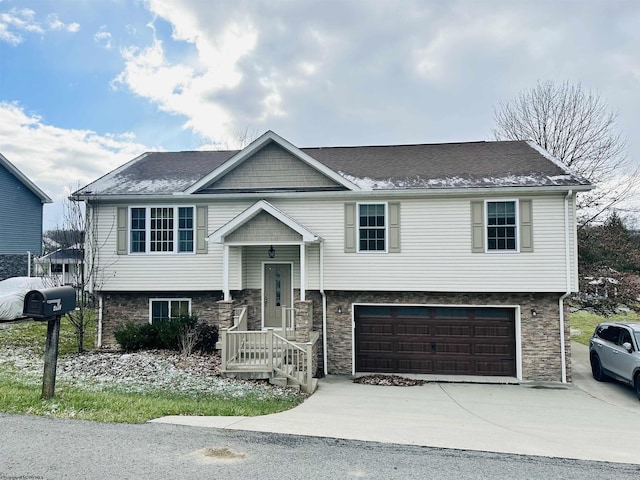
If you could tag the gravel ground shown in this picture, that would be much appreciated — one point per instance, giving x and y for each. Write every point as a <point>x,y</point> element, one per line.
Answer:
<point>140,372</point>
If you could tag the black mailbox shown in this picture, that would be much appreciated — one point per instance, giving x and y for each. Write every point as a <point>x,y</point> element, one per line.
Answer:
<point>49,302</point>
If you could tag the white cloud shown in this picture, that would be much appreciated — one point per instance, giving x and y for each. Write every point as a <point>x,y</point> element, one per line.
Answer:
<point>17,21</point>
<point>56,24</point>
<point>60,160</point>
<point>103,38</point>
<point>190,86</point>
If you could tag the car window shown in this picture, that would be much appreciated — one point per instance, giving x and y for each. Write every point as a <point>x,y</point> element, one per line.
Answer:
<point>608,332</point>
<point>625,336</point>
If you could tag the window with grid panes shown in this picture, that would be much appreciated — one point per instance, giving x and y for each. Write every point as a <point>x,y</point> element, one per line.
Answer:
<point>162,230</point>
<point>502,226</point>
<point>372,229</point>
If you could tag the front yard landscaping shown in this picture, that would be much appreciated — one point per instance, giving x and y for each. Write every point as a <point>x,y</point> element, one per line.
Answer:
<point>113,386</point>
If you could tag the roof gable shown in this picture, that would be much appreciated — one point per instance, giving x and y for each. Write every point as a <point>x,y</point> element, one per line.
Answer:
<point>44,198</point>
<point>256,213</point>
<point>272,153</point>
<point>272,168</point>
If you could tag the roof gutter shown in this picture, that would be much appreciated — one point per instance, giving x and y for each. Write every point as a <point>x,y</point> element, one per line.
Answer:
<point>436,192</point>
<point>567,256</point>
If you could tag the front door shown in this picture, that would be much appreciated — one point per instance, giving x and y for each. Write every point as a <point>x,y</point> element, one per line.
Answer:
<point>277,293</point>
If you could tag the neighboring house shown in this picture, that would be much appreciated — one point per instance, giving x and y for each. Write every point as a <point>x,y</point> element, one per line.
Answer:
<point>448,259</point>
<point>21,204</point>
<point>63,266</point>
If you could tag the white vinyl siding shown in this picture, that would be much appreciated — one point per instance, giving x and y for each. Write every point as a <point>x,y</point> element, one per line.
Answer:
<point>436,252</point>
<point>139,272</point>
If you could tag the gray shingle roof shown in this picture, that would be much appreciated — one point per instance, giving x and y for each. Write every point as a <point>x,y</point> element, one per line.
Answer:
<point>424,166</point>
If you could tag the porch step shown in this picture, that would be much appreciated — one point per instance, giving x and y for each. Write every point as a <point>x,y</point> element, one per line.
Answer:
<point>284,382</point>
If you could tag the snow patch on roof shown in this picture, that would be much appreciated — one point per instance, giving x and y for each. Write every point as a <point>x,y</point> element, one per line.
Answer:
<point>116,184</point>
<point>532,180</point>
<point>551,158</point>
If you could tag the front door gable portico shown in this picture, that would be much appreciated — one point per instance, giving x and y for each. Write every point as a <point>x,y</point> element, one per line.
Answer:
<point>263,224</point>
<point>223,233</point>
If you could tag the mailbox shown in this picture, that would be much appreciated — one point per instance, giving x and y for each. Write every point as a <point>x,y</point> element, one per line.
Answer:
<point>49,302</point>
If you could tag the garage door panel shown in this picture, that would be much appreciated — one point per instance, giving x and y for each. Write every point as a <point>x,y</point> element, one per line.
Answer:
<point>437,340</point>
<point>377,347</point>
<point>412,365</point>
<point>453,348</point>
<point>371,328</point>
<point>413,329</point>
<point>452,367</point>
<point>453,330</point>
<point>492,331</point>
<point>413,347</point>
<point>492,349</point>
<point>493,368</point>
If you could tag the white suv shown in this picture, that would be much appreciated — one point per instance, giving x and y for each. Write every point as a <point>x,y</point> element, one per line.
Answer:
<point>614,352</point>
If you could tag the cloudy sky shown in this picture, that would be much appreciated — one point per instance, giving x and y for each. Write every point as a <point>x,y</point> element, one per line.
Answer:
<point>87,85</point>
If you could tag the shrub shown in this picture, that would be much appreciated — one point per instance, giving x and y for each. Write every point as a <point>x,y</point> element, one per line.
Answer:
<point>183,334</point>
<point>132,337</point>
<point>207,337</point>
<point>171,330</point>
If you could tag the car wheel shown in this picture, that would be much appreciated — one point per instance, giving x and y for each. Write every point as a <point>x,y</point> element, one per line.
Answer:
<point>596,369</point>
<point>637,384</point>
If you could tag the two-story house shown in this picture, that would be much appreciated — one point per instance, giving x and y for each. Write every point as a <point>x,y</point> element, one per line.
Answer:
<point>21,204</point>
<point>449,259</point>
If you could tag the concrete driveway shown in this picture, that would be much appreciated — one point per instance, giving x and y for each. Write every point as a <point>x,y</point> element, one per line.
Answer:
<point>585,420</point>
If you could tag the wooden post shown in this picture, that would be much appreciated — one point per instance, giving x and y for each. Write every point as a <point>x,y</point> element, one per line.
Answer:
<point>51,358</point>
<point>225,348</point>
<point>309,378</point>
<point>270,349</point>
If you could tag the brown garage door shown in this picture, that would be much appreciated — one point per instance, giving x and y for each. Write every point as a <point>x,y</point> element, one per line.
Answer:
<point>435,340</point>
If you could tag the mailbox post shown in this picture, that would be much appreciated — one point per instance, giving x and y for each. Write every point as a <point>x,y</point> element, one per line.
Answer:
<point>49,305</point>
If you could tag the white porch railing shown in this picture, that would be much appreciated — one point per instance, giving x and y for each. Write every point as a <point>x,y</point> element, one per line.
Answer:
<point>266,351</point>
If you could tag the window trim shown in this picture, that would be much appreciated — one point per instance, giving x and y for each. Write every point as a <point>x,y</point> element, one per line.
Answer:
<point>487,226</point>
<point>176,229</point>
<point>386,228</point>
<point>163,299</point>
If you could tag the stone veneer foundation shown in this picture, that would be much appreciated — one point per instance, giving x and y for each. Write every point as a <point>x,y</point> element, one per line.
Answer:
<point>540,335</point>
<point>13,266</point>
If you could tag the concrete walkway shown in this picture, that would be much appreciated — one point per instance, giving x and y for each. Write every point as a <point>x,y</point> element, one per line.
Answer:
<point>585,420</point>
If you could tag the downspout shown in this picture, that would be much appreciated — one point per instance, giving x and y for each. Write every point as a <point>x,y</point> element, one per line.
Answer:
<point>324,311</point>
<point>99,321</point>
<point>567,255</point>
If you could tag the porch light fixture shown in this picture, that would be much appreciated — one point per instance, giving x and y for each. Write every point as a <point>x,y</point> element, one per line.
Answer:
<point>339,309</point>
<point>533,312</point>
<point>271,252</point>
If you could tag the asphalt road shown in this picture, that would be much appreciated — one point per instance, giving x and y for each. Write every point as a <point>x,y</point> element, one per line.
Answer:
<point>44,448</point>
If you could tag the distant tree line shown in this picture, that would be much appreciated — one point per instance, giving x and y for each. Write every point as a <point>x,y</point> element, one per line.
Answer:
<point>609,265</point>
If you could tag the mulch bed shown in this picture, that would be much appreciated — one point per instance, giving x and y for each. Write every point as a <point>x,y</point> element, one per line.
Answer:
<point>389,380</point>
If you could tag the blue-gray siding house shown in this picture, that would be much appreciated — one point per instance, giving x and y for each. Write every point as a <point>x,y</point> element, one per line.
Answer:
<point>21,203</point>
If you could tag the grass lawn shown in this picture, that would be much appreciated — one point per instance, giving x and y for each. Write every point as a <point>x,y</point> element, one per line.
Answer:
<point>20,389</point>
<point>584,323</point>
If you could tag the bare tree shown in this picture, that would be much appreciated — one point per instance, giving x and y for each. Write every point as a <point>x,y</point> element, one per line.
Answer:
<point>79,223</point>
<point>576,127</point>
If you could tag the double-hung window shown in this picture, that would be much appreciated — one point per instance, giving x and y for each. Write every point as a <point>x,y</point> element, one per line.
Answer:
<point>161,309</point>
<point>502,226</point>
<point>161,230</point>
<point>372,227</point>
